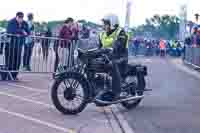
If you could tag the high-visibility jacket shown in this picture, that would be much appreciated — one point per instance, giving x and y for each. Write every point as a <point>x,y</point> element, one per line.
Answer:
<point>162,45</point>
<point>107,41</point>
<point>174,44</point>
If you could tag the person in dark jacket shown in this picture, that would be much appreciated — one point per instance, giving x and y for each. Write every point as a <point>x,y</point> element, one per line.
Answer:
<point>85,32</point>
<point>46,43</point>
<point>136,46</point>
<point>18,30</point>
<point>198,37</point>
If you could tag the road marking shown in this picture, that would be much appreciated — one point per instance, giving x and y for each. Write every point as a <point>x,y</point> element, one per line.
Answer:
<point>28,88</point>
<point>121,119</point>
<point>50,125</point>
<point>148,60</point>
<point>26,100</point>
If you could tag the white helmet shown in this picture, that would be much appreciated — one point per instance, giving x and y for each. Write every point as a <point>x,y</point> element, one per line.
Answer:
<point>112,19</point>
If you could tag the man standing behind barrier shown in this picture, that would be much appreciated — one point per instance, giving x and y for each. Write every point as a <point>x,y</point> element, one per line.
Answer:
<point>65,44</point>
<point>85,32</point>
<point>28,47</point>
<point>46,42</point>
<point>19,29</point>
<point>162,46</point>
<point>198,37</point>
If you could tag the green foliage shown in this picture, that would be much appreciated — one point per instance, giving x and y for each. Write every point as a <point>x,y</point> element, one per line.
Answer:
<point>165,26</point>
<point>3,23</point>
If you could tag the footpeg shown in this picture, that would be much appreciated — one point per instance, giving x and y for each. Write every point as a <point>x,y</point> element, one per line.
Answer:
<point>147,89</point>
<point>143,90</point>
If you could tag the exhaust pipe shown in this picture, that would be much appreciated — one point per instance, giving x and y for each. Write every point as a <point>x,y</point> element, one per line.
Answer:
<point>119,101</point>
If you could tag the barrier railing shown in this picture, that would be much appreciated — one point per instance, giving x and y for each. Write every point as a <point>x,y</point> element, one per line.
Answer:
<point>37,54</point>
<point>192,56</point>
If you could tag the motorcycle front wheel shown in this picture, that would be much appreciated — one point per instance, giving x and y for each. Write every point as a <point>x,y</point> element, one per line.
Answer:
<point>137,89</point>
<point>70,93</point>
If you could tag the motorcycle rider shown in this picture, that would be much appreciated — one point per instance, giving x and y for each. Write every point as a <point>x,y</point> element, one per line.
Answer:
<point>116,38</point>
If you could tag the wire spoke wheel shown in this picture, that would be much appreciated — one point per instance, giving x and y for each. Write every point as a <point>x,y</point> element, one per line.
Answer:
<point>69,94</point>
<point>138,83</point>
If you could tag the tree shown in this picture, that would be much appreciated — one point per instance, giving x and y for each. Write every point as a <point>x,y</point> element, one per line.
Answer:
<point>83,21</point>
<point>3,23</point>
<point>165,26</point>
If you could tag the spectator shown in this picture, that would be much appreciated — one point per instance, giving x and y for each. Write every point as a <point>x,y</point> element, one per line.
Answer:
<point>188,41</point>
<point>29,44</point>
<point>2,42</point>
<point>162,46</point>
<point>19,29</point>
<point>1,47</point>
<point>131,46</point>
<point>194,36</point>
<point>67,35</point>
<point>75,31</point>
<point>198,38</point>
<point>136,45</point>
<point>157,47</point>
<point>85,32</point>
<point>179,48</point>
<point>46,43</point>
<point>149,48</point>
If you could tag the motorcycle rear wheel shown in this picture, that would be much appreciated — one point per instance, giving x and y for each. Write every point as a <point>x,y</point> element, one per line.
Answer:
<point>140,85</point>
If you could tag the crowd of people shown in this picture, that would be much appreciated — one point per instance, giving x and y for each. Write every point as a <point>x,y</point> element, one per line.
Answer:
<point>21,36</point>
<point>150,47</point>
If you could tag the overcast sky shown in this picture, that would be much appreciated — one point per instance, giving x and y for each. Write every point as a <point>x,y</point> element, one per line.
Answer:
<point>95,9</point>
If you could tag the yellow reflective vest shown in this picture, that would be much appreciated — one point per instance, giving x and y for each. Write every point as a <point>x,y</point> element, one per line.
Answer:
<point>107,41</point>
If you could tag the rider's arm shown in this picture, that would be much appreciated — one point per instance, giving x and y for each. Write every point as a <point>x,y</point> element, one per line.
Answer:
<point>123,38</point>
<point>100,44</point>
<point>119,46</point>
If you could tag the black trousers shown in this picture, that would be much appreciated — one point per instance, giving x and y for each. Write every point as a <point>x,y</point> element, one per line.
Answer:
<point>1,47</point>
<point>28,49</point>
<point>45,49</point>
<point>56,63</point>
<point>118,72</point>
<point>57,58</point>
<point>13,56</point>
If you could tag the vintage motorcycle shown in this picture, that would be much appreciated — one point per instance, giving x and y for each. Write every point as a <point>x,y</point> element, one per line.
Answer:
<point>75,88</point>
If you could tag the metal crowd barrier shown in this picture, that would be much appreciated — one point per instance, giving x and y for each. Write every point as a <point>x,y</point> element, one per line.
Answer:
<point>192,56</point>
<point>37,54</point>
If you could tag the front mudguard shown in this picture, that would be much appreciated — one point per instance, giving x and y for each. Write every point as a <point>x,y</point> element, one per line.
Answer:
<point>83,78</point>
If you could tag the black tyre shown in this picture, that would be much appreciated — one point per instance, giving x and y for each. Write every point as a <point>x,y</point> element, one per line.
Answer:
<point>72,81</point>
<point>139,81</point>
